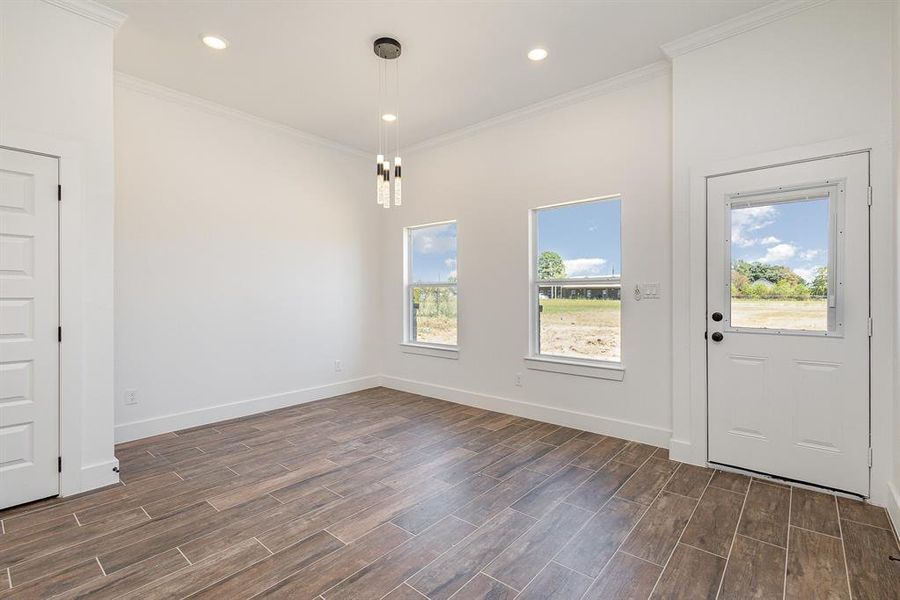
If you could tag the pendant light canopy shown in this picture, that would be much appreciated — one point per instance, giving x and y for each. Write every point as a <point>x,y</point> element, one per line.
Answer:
<point>388,50</point>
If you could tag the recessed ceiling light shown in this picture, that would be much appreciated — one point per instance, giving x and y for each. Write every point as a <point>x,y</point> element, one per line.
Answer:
<point>214,42</point>
<point>537,54</point>
<point>388,117</point>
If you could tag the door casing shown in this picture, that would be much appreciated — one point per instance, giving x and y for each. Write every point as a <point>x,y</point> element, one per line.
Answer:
<point>689,395</point>
<point>76,477</point>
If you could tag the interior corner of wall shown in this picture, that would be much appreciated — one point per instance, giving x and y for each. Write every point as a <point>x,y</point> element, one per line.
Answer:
<point>893,504</point>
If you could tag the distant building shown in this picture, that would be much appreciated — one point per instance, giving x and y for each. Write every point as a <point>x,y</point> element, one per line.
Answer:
<point>588,291</point>
<point>763,282</point>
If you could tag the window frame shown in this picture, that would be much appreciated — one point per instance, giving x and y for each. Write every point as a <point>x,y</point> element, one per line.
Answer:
<point>833,191</point>
<point>410,345</point>
<point>587,367</point>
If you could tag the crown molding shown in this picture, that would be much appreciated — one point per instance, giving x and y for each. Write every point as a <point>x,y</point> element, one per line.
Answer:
<point>136,84</point>
<point>600,88</point>
<point>770,13</point>
<point>99,13</point>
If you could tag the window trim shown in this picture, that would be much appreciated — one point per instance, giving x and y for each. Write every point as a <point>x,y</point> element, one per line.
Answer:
<point>587,367</point>
<point>407,344</point>
<point>833,191</point>
<point>439,351</point>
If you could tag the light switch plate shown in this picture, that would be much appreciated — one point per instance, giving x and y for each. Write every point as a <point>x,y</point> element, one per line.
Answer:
<point>649,291</point>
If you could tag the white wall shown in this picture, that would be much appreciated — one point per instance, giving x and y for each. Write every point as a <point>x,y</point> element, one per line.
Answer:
<point>56,97</point>
<point>245,265</point>
<point>894,501</point>
<point>617,143</point>
<point>822,74</point>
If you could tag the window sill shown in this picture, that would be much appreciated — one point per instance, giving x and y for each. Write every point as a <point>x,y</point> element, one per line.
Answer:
<point>449,352</point>
<point>597,370</point>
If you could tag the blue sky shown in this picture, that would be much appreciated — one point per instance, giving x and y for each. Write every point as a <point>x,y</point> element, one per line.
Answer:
<point>793,234</point>
<point>433,253</point>
<point>586,235</point>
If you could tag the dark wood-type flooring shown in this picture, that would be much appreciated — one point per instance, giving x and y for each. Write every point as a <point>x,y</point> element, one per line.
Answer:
<point>385,494</point>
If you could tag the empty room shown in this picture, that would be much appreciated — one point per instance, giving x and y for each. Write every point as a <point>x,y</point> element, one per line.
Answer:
<point>433,299</point>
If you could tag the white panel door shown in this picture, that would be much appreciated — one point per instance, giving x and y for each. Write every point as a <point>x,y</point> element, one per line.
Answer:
<point>29,318</point>
<point>788,321</point>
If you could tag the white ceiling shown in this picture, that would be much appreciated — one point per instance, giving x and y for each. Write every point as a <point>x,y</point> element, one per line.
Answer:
<point>310,65</point>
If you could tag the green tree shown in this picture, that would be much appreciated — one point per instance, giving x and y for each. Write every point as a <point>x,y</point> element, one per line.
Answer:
<point>551,266</point>
<point>819,286</point>
<point>773,273</point>
<point>740,285</point>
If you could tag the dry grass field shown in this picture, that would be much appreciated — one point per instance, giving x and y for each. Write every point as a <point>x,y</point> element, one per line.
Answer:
<point>809,315</point>
<point>590,328</point>
<point>436,330</point>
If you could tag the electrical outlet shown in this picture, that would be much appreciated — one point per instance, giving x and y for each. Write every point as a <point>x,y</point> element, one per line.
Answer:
<point>131,396</point>
<point>337,366</point>
<point>518,379</point>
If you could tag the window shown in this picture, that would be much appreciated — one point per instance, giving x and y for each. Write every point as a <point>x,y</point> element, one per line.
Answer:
<point>576,285</point>
<point>431,293</point>
<point>781,261</point>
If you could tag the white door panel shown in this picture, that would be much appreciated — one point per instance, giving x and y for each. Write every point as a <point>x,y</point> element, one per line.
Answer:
<point>29,317</point>
<point>788,359</point>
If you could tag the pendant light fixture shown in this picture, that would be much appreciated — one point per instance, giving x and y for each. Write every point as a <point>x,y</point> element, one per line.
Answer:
<point>388,50</point>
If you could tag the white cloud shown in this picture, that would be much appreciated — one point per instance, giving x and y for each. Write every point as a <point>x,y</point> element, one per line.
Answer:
<point>583,267</point>
<point>431,244</point>
<point>809,254</point>
<point>779,253</point>
<point>451,264</point>
<point>767,241</point>
<point>807,274</point>
<point>746,220</point>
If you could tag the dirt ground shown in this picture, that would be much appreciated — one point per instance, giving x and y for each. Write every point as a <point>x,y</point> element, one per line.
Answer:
<point>581,328</point>
<point>436,330</point>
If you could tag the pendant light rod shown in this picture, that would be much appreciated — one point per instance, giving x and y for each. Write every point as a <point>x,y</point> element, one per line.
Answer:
<point>387,48</point>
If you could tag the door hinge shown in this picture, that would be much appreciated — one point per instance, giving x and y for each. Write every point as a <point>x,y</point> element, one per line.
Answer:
<point>871,327</point>
<point>870,457</point>
<point>59,334</point>
<point>59,193</point>
<point>59,464</point>
<point>870,195</point>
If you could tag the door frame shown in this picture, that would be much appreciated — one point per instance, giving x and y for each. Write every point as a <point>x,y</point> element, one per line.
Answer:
<point>690,393</point>
<point>75,476</point>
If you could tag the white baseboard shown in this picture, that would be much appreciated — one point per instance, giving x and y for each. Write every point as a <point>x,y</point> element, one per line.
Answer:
<point>628,430</point>
<point>125,432</point>
<point>683,452</point>
<point>99,475</point>
<point>893,506</point>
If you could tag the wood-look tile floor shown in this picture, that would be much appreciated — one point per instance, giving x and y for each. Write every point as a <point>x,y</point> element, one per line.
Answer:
<point>384,494</point>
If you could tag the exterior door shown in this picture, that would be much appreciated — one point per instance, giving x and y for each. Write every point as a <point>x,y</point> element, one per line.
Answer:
<point>788,321</point>
<point>29,318</point>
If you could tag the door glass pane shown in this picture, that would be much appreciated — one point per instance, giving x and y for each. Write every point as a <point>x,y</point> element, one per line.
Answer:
<point>779,265</point>
<point>434,314</point>
<point>580,321</point>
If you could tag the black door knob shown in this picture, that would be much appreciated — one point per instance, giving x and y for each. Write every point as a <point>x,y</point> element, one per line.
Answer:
<point>717,336</point>
<point>717,316</point>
